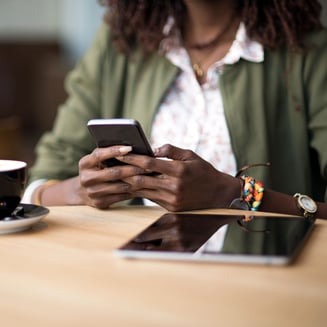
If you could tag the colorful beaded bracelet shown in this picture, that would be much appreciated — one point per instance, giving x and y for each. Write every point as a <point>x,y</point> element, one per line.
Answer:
<point>251,192</point>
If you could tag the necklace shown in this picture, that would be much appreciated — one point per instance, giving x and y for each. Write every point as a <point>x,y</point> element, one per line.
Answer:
<point>197,66</point>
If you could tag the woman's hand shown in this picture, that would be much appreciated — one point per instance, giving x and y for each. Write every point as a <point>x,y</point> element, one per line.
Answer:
<point>184,182</point>
<point>100,186</point>
<point>96,185</point>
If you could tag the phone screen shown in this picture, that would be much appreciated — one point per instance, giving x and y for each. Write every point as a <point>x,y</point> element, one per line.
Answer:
<point>119,131</point>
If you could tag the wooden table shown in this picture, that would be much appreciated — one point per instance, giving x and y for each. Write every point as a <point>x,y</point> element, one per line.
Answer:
<point>62,273</point>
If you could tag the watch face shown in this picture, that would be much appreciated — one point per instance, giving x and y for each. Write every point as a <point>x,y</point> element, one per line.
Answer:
<point>308,204</point>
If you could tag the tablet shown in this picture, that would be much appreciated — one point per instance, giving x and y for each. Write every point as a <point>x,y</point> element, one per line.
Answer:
<point>220,238</point>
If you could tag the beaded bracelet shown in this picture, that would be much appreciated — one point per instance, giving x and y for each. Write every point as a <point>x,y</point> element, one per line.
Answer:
<point>251,192</point>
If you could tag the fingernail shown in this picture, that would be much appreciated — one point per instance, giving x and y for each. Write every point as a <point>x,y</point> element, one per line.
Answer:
<point>125,149</point>
<point>155,150</point>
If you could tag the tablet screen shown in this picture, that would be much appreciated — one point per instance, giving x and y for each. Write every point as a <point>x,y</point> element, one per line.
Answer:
<point>220,238</point>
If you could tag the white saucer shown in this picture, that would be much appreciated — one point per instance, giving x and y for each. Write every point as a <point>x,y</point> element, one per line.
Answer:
<point>29,215</point>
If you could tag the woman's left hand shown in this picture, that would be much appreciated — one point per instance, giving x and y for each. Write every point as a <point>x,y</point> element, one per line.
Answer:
<point>185,182</point>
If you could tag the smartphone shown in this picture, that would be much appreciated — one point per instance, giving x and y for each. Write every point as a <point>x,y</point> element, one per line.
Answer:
<point>119,131</point>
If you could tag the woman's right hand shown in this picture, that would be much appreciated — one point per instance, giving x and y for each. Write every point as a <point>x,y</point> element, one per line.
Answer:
<point>97,185</point>
<point>101,186</point>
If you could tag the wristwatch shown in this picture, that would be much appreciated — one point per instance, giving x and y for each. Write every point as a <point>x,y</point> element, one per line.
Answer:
<point>306,205</point>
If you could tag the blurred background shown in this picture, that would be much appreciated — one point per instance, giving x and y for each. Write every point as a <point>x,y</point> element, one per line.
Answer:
<point>40,41</point>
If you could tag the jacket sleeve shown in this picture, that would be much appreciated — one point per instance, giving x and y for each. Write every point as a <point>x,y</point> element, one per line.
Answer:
<point>315,79</point>
<point>59,150</point>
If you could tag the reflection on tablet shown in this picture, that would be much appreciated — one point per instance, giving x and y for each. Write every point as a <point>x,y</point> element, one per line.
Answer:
<point>198,237</point>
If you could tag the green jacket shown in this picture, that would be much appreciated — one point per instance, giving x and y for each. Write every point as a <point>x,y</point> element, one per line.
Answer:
<point>276,111</point>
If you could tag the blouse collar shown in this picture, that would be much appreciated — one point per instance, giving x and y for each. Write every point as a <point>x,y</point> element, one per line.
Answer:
<point>242,47</point>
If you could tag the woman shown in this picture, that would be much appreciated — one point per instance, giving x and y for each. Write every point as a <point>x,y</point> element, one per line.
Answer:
<point>225,84</point>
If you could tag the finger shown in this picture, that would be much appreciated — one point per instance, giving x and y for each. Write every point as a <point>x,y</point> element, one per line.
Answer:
<point>101,154</point>
<point>106,201</point>
<point>103,194</point>
<point>173,152</point>
<point>150,164</point>
<point>109,174</point>
<point>106,189</point>
<point>166,199</point>
<point>162,182</point>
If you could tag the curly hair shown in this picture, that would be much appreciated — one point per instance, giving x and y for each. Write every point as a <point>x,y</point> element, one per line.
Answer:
<point>271,22</point>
